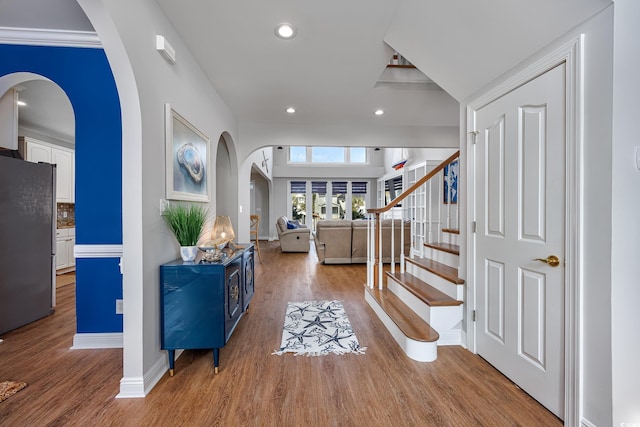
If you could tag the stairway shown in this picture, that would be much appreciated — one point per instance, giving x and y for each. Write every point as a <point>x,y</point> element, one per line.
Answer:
<point>422,307</point>
<point>422,304</point>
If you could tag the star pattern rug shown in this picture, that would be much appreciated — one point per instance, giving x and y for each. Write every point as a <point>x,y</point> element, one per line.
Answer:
<point>317,328</point>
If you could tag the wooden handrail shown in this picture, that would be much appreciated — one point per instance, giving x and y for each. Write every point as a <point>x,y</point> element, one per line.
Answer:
<point>415,186</point>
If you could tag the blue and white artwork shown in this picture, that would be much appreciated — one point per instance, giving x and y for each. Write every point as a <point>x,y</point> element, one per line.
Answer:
<point>451,182</point>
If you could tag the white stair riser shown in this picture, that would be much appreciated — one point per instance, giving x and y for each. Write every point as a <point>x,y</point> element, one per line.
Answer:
<point>452,260</point>
<point>416,350</point>
<point>443,285</point>
<point>453,337</point>
<point>442,319</point>
<point>451,238</point>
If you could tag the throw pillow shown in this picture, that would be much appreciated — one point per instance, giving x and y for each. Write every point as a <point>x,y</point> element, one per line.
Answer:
<point>291,225</point>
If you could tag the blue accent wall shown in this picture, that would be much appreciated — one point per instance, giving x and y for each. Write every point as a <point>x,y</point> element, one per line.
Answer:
<point>85,76</point>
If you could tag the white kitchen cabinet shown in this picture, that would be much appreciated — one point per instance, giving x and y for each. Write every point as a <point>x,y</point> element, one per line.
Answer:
<point>65,241</point>
<point>36,151</point>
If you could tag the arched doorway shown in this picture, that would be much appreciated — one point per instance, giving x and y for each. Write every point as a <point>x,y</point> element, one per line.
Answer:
<point>226,197</point>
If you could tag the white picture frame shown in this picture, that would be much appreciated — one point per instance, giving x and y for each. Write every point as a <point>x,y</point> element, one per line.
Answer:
<point>186,156</point>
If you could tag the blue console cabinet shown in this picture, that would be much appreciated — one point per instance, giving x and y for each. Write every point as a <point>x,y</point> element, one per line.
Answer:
<point>202,302</point>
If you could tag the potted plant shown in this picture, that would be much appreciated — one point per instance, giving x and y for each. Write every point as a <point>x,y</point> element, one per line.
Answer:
<point>187,224</point>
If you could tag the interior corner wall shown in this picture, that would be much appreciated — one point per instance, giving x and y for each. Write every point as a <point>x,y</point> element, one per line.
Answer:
<point>625,236</point>
<point>8,120</point>
<point>98,169</point>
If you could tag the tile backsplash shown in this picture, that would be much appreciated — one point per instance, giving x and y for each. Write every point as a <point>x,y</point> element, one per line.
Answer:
<point>66,215</point>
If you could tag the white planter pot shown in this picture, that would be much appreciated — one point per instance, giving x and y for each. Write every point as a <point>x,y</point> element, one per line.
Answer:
<point>188,253</point>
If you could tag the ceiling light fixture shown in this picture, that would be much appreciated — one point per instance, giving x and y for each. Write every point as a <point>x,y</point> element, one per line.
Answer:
<point>379,112</point>
<point>285,31</point>
<point>21,104</point>
<point>290,110</point>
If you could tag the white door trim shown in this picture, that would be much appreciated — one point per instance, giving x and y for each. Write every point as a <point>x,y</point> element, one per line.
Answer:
<point>570,53</point>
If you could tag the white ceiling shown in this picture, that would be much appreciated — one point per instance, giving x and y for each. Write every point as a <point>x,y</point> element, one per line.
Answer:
<point>48,110</point>
<point>330,70</point>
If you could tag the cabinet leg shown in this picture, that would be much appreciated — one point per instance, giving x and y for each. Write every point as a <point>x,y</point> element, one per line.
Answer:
<point>172,354</point>
<point>216,360</point>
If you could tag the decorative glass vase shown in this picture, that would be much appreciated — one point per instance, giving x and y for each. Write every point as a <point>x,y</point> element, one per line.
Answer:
<point>188,253</point>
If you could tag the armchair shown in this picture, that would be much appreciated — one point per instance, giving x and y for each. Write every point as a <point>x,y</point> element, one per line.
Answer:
<point>292,239</point>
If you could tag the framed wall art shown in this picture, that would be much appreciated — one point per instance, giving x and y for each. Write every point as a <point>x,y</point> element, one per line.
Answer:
<point>187,153</point>
<point>451,182</point>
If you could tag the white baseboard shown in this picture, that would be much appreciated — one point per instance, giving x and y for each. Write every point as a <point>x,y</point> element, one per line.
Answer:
<point>452,337</point>
<point>586,423</point>
<point>96,341</point>
<point>132,387</point>
<point>139,387</point>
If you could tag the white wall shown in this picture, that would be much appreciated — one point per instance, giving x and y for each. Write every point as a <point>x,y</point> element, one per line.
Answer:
<point>9,120</point>
<point>145,83</point>
<point>256,135</point>
<point>413,156</point>
<point>252,160</point>
<point>463,45</point>
<point>625,233</point>
<point>261,206</point>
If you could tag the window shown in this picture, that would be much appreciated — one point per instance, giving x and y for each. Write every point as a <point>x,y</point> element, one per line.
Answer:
<point>358,155</point>
<point>318,200</point>
<point>358,197</point>
<point>338,201</point>
<point>299,201</point>
<point>328,155</point>
<point>298,154</point>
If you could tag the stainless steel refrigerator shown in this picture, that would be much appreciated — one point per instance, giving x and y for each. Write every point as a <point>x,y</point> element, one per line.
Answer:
<point>27,241</point>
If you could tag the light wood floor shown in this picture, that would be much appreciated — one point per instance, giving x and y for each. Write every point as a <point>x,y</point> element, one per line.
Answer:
<point>254,388</point>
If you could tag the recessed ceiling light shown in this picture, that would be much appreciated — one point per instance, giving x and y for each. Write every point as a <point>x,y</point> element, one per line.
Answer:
<point>290,110</point>
<point>22,104</point>
<point>285,31</point>
<point>379,112</point>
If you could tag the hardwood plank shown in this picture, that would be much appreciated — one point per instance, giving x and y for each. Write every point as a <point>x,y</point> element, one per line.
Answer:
<point>439,269</point>
<point>422,290</point>
<point>383,387</point>
<point>451,230</point>
<point>446,247</point>
<point>408,321</point>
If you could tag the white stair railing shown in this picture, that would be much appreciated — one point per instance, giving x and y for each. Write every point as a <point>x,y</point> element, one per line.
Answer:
<point>374,223</point>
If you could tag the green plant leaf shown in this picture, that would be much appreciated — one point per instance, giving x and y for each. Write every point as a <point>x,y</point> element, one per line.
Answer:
<point>186,222</point>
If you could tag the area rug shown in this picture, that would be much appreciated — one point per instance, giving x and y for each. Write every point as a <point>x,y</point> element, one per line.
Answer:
<point>317,328</point>
<point>9,388</point>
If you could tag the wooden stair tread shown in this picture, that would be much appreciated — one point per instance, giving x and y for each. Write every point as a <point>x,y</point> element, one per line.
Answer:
<point>451,230</point>
<point>423,291</point>
<point>439,269</point>
<point>411,325</point>
<point>446,247</point>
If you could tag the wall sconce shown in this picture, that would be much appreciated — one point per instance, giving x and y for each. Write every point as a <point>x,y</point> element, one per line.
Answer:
<point>165,49</point>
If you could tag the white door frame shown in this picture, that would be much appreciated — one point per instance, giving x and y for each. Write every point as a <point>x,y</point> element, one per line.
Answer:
<point>571,54</point>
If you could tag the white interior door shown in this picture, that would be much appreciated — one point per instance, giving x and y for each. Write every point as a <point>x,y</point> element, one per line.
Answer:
<point>520,217</point>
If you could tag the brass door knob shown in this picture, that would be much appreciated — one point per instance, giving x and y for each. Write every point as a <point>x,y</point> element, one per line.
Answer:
<point>552,260</point>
